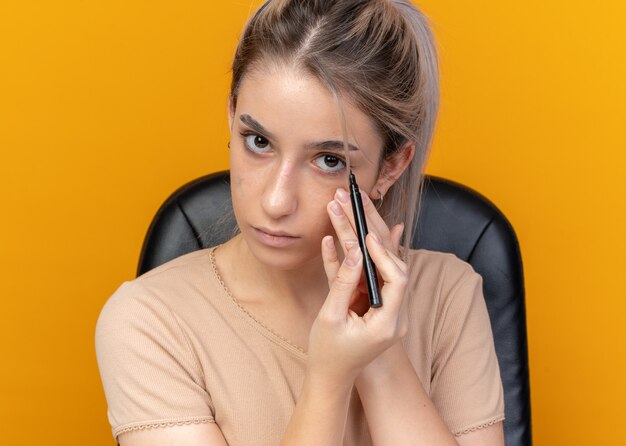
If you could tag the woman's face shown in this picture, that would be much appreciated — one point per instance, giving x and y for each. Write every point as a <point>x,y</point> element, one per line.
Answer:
<point>287,161</point>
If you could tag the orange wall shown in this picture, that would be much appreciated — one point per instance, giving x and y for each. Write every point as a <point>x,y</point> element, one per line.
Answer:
<point>107,107</point>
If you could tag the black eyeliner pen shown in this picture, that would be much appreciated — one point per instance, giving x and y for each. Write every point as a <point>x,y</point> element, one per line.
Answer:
<point>361,231</point>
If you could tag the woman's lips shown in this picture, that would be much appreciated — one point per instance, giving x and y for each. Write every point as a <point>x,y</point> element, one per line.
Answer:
<point>275,239</point>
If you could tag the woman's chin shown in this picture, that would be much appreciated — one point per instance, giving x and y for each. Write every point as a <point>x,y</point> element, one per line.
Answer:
<point>283,258</point>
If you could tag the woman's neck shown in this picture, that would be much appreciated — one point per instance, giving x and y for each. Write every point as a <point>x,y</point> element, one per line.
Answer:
<point>305,287</point>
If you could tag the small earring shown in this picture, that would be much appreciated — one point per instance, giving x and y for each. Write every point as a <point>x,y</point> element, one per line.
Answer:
<point>228,144</point>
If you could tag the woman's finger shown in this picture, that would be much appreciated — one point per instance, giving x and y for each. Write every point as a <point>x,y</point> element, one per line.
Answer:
<point>330,258</point>
<point>396,236</point>
<point>374,221</point>
<point>344,285</point>
<point>341,224</point>
<point>344,228</point>
<point>394,275</point>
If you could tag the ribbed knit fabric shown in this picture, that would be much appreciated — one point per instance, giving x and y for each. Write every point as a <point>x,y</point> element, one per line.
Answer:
<point>174,348</point>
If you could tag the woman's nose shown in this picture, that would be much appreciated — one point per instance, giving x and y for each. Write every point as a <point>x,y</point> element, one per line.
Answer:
<point>280,198</point>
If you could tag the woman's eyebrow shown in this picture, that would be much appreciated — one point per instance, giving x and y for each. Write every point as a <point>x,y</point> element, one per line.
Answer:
<point>255,125</point>
<point>322,145</point>
<point>330,145</point>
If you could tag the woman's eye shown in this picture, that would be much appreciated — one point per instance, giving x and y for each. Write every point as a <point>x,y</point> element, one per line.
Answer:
<point>256,143</point>
<point>330,163</point>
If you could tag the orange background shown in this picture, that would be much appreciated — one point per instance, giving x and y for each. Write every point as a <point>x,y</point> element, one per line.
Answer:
<point>107,107</point>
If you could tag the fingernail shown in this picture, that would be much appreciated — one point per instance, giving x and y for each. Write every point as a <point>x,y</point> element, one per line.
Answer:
<point>350,243</point>
<point>342,195</point>
<point>353,256</point>
<point>334,206</point>
<point>330,243</point>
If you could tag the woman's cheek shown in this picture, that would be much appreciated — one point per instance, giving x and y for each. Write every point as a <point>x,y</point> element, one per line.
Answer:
<point>324,222</point>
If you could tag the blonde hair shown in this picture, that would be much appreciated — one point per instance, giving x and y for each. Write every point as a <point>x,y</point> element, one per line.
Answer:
<point>380,54</point>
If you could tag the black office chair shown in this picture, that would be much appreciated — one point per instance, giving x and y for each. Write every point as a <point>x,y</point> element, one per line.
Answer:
<point>454,218</point>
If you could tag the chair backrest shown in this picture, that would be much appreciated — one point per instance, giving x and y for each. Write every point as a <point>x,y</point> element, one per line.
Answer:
<point>454,218</point>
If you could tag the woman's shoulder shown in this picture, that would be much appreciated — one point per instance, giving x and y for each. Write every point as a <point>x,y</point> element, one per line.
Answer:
<point>435,264</point>
<point>436,277</point>
<point>177,286</point>
<point>184,264</point>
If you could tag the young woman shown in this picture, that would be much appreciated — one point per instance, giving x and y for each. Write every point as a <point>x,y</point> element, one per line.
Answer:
<point>268,339</point>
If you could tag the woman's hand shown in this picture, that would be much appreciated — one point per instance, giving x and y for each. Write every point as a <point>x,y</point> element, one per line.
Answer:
<point>344,225</point>
<point>341,342</point>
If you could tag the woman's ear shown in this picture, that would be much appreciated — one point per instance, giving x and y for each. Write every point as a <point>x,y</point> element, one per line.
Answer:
<point>393,168</point>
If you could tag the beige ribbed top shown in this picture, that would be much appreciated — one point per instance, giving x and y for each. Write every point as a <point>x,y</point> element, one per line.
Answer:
<point>173,347</point>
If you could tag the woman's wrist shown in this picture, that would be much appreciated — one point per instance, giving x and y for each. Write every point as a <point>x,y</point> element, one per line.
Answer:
<point>321,411</point>
<point>329,382</point>
<point>382,366</point>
